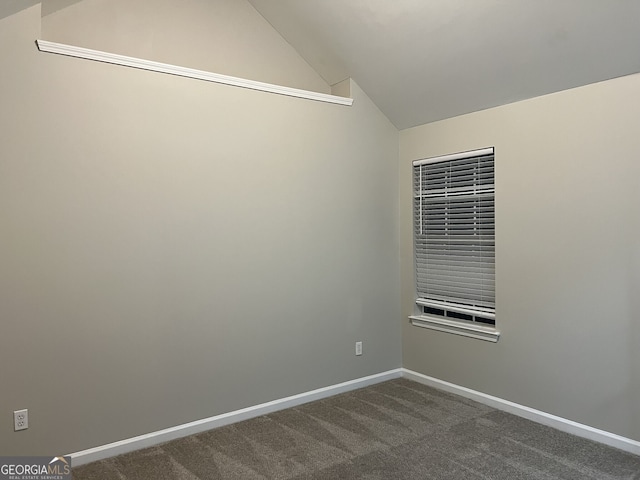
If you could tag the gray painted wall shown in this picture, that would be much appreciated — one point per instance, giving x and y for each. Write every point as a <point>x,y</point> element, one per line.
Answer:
<point>567,255</point>
<point>175,249</point>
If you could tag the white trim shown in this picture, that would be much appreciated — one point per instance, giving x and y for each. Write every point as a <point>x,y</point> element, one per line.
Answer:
<point>88,54</point>
<point>465,329</point>
<point>455,156</point>
<point>559,423</point>
<point>475,311</point>
<point>161,436</point>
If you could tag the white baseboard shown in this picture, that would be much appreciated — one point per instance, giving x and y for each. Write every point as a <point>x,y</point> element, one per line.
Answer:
<point>559,423</point>
<point>161,436</point>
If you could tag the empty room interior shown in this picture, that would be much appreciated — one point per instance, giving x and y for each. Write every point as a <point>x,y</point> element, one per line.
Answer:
<point>209,213</point>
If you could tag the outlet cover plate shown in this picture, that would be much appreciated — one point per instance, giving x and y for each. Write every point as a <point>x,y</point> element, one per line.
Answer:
<point>20,420</point>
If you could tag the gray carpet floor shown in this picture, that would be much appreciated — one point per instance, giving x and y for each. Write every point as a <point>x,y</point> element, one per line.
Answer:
<point>393,430</point>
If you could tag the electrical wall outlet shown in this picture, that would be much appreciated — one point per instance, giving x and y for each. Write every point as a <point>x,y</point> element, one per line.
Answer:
<point>358,348</point>
<point>21,420</point>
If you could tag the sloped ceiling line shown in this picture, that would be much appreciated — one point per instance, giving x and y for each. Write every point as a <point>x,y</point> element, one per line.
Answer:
<point>422,61</point>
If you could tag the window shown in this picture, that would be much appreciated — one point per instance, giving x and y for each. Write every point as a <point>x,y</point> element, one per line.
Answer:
<point>454,237</point>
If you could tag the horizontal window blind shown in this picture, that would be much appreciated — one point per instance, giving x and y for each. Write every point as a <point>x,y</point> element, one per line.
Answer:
<point>454,230</point>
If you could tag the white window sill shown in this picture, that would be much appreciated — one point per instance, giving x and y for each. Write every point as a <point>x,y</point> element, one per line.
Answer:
<point>479,332</point>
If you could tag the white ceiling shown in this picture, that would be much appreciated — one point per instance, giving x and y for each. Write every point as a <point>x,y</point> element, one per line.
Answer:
<point>9,7</point>
<point>425,60</point>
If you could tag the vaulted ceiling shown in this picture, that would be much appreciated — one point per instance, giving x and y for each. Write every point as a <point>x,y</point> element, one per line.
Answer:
<point>9,7</point>
<point>426,60</point>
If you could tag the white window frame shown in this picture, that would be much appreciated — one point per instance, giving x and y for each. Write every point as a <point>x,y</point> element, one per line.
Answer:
<point>454,243</point>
